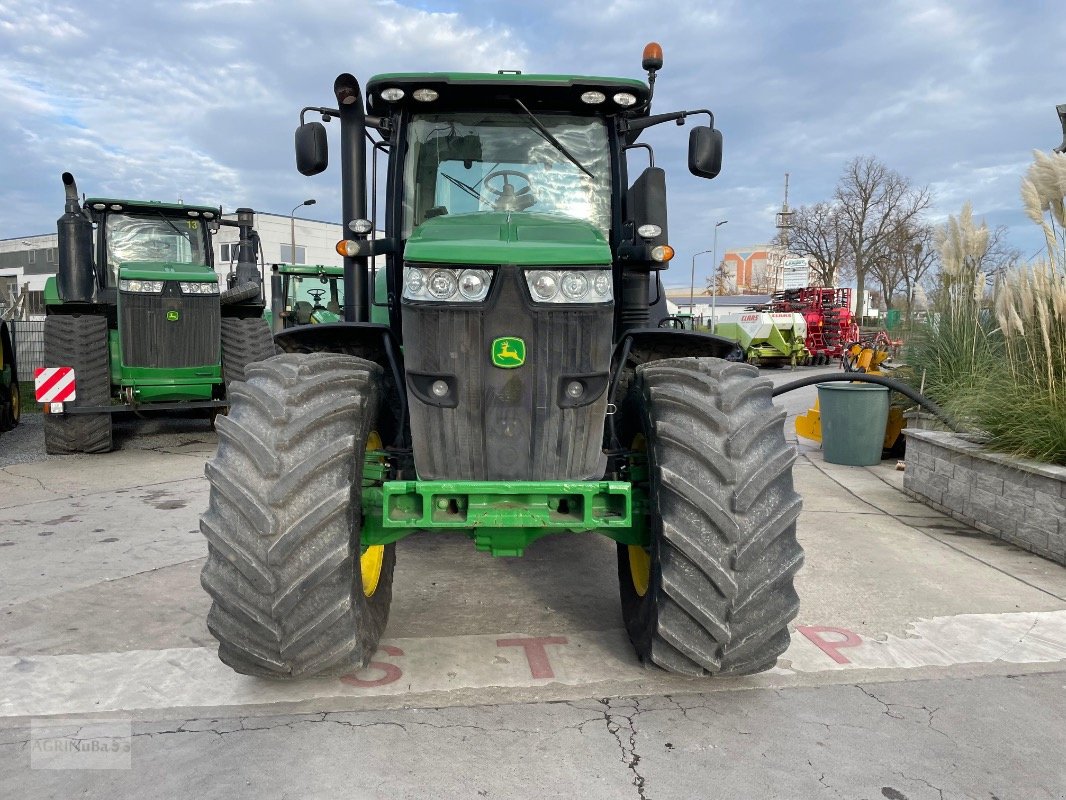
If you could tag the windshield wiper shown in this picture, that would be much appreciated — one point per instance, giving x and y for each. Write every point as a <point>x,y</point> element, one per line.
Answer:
<point>470,190</point>
<point>175,227</point>
<point>552,140</point>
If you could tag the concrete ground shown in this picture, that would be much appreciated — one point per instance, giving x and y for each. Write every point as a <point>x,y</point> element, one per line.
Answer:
<point>928,661</point>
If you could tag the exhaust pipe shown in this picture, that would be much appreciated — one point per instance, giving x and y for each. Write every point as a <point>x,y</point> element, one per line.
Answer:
<point>75,276</point>
<point>70,188</point>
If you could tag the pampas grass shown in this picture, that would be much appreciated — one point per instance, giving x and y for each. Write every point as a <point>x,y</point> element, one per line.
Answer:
<point>1003,370</point>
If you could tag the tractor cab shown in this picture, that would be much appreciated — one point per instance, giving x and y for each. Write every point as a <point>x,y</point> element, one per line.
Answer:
<point>150,236</point>
<point>310,294</point>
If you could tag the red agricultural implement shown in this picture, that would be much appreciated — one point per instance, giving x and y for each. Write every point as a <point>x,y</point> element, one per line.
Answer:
<point>827,311</point>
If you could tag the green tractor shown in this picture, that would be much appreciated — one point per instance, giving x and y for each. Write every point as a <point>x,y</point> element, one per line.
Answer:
<point>136,312</point>
<point>506,380</point>
<point>305,294</point>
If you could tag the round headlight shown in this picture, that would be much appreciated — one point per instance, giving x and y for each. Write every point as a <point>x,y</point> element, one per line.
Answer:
<point>545,285</point>
<point>625,99</point>
<point>601,284</point>
<point>392,94</point>
<point>575,285</point>
<point>425,95</point>
<point>415,281</point>
<point>474,284</point>
<point>135,286</point>
<point>442,284</point>
<point>592,98</point>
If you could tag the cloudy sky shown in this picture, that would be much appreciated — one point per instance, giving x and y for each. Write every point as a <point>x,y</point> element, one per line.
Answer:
<point>198,99</point>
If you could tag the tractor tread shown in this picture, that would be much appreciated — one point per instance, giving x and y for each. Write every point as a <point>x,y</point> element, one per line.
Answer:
<point>725,551</point>
<point>244,341</point>
<point>283,561</point>
<point>79,341</point>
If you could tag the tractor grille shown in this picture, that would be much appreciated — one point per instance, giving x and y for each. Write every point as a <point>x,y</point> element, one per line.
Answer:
<point>150,339</point>
<point>508,424</point>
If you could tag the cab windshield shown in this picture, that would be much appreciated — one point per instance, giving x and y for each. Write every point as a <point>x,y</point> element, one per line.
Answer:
<point>463,163</point>
<point>153,236</point>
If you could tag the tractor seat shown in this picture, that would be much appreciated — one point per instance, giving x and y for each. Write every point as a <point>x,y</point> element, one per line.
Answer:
<point>333,307</point>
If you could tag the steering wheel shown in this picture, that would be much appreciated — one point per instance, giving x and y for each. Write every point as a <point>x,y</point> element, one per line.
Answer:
<point>316,296</point>
<point>507,197</point>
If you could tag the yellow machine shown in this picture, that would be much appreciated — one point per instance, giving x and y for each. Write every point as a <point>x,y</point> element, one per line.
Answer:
<point>865,357</point>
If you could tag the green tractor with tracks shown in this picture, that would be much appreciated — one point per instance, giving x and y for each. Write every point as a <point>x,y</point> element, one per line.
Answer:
<point>504,377</point>
<point>136,319</point>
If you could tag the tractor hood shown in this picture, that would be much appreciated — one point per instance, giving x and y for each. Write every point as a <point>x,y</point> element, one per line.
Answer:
<point>522,239</point>
<point>166,271</point>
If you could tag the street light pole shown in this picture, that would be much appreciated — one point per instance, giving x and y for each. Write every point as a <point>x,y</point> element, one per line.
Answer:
<point>292,229</point>
<point>692,289</point>
<point>714,275</point>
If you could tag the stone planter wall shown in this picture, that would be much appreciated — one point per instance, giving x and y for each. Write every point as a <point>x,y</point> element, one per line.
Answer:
<point>1022,502</point>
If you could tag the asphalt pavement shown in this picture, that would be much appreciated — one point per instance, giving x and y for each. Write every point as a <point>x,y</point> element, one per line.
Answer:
<point>928,661</point>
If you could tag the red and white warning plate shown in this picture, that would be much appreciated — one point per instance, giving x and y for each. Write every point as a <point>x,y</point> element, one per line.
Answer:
<point>54,384</point>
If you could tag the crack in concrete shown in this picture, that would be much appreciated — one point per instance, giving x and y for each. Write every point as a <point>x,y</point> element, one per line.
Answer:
<point>930,713</point>
<point>331,718</point>
<point>44,488</point>
<point>630,757</point>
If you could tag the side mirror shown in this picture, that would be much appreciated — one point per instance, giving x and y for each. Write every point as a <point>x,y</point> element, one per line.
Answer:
<point>705,152</point>
<point>312,149</point>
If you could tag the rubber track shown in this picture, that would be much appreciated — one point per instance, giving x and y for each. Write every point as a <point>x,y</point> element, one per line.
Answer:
<point>244,341</point>
<point>728,550</point>
<point>282,556</point>
<point>79,342</point>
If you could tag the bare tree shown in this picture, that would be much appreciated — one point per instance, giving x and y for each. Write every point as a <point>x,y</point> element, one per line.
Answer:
<point>817,232</point>
<point>874,202</point>
<point>920,260</point>
<point>907,257</point>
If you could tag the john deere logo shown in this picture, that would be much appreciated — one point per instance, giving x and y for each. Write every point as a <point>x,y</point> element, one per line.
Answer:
<point>508,352</point>
<point>172,316</point>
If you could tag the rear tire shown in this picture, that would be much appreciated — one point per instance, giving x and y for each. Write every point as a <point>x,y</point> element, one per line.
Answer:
<point>244,342</point>
<point>81,342</point>
<point>284,519</point>
<point>719,594</point>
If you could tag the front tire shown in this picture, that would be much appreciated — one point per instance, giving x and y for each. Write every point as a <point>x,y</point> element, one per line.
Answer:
<point>81,342</point>
<point>713,595</point>
<point>290,595</point>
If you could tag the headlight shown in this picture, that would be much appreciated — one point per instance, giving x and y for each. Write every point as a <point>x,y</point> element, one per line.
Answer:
<point>442,284</point>
<point>474,284</point>
<point>446,284</point>
<point>143,287</point>
<point>198,288</point>
<point>570,285</point>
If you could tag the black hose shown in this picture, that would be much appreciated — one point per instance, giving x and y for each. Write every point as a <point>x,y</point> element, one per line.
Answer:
<point>880,380</point>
